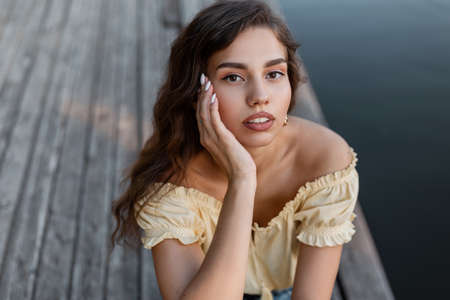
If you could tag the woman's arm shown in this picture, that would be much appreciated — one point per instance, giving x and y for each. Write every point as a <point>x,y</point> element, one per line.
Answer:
<point>183,272</point>
<point>317,267</point>
<point>316,272</point>
<point>222,273</point>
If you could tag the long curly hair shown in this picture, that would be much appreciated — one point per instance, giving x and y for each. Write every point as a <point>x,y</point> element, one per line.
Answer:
<point>175,138</point>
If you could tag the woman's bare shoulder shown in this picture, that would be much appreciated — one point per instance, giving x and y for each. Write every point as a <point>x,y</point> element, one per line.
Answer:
<point>324,149</point>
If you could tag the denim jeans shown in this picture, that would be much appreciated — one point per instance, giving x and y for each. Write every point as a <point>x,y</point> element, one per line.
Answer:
<point>277,295</point>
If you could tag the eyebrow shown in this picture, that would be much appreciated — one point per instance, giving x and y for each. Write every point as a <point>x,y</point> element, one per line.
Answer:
<point>244,66</point>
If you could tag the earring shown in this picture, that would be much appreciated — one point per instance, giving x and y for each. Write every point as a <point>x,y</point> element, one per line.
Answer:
<point>285,121</point>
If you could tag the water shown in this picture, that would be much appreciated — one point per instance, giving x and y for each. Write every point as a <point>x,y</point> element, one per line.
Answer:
<point>381,71</point>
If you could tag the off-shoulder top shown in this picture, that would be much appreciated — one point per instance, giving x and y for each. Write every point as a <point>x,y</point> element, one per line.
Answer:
<point>321,214</point>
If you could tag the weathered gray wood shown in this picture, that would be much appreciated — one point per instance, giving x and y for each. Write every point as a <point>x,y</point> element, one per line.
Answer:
<point>306,105</point>
<point>157,34</point>
<point>15,140</point>
<point>60,234</point>
<point>168,14</point>
<point>6,11</point>
<point>20,260</point>
<point>9,15</point>
<point>13,72</point>
<point>89,271</point>
<point>125,264</point>
<point>16,30</point>
<point>362,274</point>
<point>336,294</point>
<point>188,9</point>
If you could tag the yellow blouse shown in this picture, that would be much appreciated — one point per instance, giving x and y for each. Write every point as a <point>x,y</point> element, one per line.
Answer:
<point>321,214</point>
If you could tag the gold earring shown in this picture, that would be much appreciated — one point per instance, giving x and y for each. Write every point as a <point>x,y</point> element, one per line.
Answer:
<point>285,121</point>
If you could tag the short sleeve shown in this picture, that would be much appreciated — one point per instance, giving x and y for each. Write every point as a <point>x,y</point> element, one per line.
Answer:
<point>170,217</point>
<point>326,215</point>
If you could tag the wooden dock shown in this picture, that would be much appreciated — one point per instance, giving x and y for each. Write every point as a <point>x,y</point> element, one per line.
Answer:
<point>78,79</point>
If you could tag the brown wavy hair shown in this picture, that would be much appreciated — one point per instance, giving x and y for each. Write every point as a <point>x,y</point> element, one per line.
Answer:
<point>175,138</point>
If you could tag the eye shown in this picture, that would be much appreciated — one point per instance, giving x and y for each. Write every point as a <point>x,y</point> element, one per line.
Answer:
<point>274,74</point>
<point>232,78</point>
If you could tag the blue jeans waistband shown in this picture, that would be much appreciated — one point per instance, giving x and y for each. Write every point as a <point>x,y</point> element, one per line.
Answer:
<point>277,295</point>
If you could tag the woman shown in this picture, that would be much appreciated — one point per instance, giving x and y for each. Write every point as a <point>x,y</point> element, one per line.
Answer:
<point>233,197</point>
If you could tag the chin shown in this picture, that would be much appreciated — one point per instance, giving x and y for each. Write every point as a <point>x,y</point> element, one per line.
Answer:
<point>259,140</point>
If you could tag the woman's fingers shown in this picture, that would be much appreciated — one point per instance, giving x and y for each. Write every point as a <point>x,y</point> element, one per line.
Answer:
<point>209,111</point>
<point>203,113</point>
<point>200,100</point>
<point>216,121</point>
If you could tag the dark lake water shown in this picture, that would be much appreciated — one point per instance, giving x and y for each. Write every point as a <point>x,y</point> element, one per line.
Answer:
<point>381,71</point>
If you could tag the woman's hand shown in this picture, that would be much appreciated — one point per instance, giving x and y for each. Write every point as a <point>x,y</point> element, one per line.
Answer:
<point>221,143</point>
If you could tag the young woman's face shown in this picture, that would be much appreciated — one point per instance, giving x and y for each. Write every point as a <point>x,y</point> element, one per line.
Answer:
<point>250,76</point>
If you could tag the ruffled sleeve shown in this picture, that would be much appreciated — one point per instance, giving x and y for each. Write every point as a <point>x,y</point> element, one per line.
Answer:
<point>326,214</point>
<point>171,216</point>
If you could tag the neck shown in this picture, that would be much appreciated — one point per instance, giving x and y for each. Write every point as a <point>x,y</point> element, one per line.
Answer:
<point>265,157</point>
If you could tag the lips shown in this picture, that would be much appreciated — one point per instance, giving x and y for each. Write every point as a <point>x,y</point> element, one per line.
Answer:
<point>261,114</point>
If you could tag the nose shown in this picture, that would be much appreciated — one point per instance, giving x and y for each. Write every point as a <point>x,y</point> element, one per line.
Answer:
<point>258,94</point>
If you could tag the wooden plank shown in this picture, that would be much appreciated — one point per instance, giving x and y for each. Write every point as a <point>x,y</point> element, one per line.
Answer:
<point>19,35</point>
<point>6,11</point>
<point>15,32</point>
<point>59,234</point>
<point>10,15</point>
<point>361,272</point>
<point>50,131</point>
<point>188,9</point>
<point>306,105</point>
<point>156,36</point>
<point>336,293</point>
<point>169,16</point>
<point>124,268</point>
<point>149,25</point>
<point>16,140</point>
<point>18,267</point>
<point>91,253</point>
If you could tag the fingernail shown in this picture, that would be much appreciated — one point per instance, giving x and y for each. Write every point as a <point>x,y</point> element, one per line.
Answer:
<point>208,84</point>
<point>213,98</point>
<point>202,79</point>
